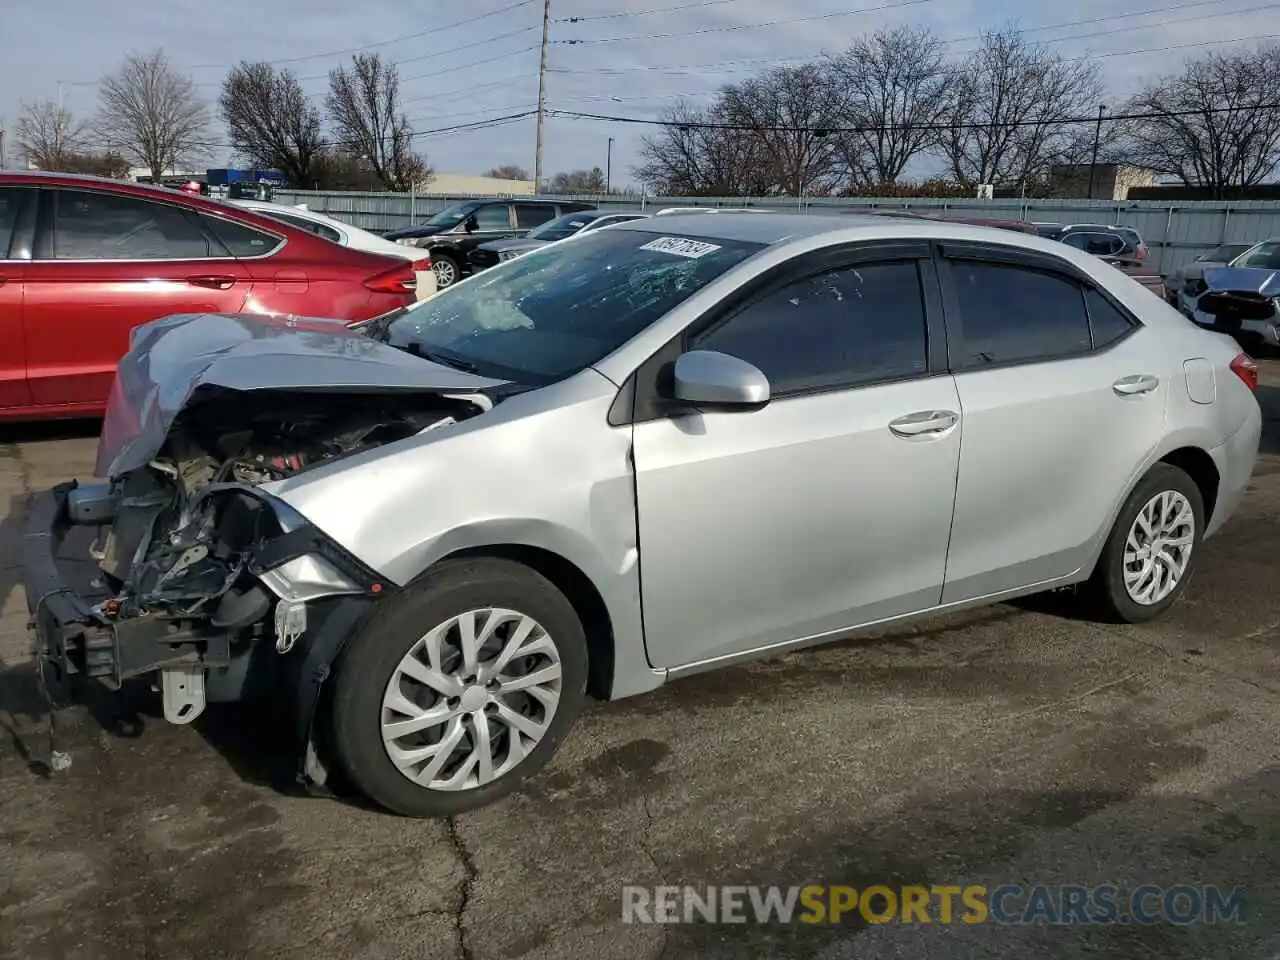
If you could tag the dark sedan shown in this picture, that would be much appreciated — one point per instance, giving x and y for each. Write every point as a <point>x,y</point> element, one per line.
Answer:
<point>561,228</point>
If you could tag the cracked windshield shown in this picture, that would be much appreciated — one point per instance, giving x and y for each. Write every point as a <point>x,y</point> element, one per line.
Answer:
<point>555,311</point>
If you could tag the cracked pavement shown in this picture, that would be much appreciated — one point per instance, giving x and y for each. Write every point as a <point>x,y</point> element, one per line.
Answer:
<point>1010,744</point>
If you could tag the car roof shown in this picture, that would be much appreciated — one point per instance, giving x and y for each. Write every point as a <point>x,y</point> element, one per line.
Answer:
<point>267,207</point>
<point>784,227</point>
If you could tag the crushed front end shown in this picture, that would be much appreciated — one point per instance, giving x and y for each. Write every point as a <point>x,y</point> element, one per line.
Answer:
<point>203,582</point>
<point>198,571</point>
<point>1242,302</point>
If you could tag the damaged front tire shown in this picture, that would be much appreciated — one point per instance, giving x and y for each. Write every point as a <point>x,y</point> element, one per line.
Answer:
<point>459,688</point>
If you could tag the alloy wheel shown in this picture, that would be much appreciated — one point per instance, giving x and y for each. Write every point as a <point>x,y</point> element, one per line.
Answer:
<point>445,273</point>
<point>470,699</point>
<point>1158,547</point>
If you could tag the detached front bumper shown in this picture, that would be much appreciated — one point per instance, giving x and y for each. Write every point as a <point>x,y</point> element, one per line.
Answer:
<point>74,637</point>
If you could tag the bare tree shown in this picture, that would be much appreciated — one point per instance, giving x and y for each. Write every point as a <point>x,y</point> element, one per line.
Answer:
<point>893,89</point>
<point>1214,125</point>
<point>49,135</point>
<point>1012,100</point>
<point>786,111</point>
<point>272,122</point>
<point>694,154</point>
<point>581,182</point>
<point>508,171</point>
<point>152,113</point>
<point>364,107</point>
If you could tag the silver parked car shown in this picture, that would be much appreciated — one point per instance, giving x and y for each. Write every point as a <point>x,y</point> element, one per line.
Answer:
<point>649,451</point>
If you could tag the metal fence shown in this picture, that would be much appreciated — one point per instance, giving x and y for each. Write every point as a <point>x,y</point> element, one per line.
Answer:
<point>1175,232</point>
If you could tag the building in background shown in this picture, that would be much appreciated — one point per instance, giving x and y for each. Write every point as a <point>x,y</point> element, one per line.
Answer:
<point>459,184</point>
<point>1111,181</point>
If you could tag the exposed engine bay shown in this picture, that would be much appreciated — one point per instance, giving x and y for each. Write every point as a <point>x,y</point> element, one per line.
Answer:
<point>179,538</point>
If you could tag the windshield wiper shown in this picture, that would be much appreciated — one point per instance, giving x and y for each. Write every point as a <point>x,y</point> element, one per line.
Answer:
<point>440,358</point>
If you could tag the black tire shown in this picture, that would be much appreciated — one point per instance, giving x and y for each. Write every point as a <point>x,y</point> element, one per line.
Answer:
<point>370,658</point>
<point>452,267</point>
<point>1105,589</point>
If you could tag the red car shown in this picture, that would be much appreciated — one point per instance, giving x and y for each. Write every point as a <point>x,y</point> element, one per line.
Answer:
<point>84,260</point>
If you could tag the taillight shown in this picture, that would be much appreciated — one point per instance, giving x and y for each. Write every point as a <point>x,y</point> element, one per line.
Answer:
<point>1142,253</point>
<point>423,265</point>
<point>398,279</point>
<point>1244,368</point>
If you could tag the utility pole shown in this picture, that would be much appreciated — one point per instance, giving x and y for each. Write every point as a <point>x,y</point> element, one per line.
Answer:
<point>608,165</point>
<point>1097,135</point>
<point>4,162</point>
<point>542,96</point>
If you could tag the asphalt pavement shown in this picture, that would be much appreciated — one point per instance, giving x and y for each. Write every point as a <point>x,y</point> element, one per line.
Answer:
<point>1014,744</point>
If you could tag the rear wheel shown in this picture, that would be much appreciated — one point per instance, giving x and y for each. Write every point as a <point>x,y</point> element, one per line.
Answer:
<point>1151,553</point>
<point>465,685</point>
<point>447,270</point>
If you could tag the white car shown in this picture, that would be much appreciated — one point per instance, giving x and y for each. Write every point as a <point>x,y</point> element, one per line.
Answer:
<point>348,236</point>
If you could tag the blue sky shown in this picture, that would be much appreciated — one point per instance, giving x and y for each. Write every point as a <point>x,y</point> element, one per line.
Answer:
<point>621,66</point>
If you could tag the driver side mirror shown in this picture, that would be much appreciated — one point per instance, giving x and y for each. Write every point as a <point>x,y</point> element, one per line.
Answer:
<point>471,224</point>
<point>706,378</point>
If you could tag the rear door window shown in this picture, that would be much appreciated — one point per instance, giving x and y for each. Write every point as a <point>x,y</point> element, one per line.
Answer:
<point>1016,314</point>
<point>103,226</point>
<point>530,215</point>
<point>493,216</point>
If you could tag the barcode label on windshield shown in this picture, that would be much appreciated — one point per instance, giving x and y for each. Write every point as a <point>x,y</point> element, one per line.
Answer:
<point>693,249</point>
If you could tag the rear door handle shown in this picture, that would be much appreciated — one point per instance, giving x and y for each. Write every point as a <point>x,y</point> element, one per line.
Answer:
<point>924,422</point>
<point>212,282</point>
<point>1134,385</point>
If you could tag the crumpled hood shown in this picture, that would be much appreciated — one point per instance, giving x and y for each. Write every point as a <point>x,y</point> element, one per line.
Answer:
<point>1250,279</point>
<point>172,359</point>
<point>516,243</point>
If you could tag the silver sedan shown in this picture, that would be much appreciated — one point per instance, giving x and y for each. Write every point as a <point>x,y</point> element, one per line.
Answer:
<point>644,452</point>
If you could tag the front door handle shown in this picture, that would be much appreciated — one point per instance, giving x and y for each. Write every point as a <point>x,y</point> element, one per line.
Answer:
<point>217,282</point>
<point>1134,385</point>
<point>925,422</point>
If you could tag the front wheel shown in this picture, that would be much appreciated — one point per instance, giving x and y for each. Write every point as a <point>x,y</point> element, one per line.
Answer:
<point>460,689</point>
<point>1151,552</point>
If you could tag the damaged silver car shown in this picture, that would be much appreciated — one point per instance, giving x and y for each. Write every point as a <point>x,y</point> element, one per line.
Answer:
<point>658,449</point>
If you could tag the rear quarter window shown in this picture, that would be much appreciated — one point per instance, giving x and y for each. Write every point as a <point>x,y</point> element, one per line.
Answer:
<point>241,241</point>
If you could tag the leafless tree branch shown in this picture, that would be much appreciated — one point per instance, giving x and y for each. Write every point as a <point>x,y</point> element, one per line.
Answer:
<point>1214,124</point>
<point>894,88</point>
<point>364,108</point>
<point>151,113</point>
<point>272,122</point>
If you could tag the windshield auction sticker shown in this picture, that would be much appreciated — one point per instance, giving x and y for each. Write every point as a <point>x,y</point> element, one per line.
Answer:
<point>681,247</point>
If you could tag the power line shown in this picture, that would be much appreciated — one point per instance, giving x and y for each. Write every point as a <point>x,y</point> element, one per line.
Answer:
<point>473,63</point>
<point>415,59</point>
<point>886,128</point>
<point>701,67</point>
<point>730,28</point>
<point>434,131</point>
<point>468,90</point>
<point>377,43</point>
<point>645,13</point>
